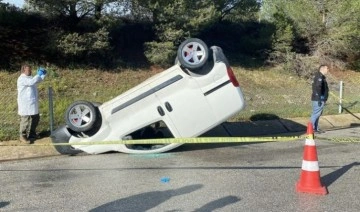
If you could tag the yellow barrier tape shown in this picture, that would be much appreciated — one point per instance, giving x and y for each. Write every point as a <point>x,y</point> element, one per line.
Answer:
<point>334,95</point>
<point>342,140</point>
<point>172,140</point>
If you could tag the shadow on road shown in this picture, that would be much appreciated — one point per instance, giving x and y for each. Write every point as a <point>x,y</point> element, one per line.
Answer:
<point>217,204</point>
<point>4,204</point>
<point>333,176</point>
<point>149,200</point>
<point>145,201</point>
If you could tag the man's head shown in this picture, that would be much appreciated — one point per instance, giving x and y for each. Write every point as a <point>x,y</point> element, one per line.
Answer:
<point>324,69</point>
<point>26,69</point>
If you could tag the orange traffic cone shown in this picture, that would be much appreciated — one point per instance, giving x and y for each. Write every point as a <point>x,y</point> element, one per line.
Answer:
<point>310,175</point>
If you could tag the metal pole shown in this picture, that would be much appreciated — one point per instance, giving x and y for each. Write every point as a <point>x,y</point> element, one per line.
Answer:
<point>341,96</point>
<point>51,109</point>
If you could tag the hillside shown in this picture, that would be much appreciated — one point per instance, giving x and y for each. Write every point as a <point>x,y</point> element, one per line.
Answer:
<point>269,93</point>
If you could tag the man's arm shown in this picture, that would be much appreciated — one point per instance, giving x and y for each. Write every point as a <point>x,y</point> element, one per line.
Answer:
<point>27,81</point>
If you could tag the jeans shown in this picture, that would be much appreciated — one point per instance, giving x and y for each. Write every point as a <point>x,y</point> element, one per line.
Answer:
<point>316,113</point>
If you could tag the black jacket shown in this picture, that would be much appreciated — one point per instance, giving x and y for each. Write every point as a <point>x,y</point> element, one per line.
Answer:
<point>320,89</point>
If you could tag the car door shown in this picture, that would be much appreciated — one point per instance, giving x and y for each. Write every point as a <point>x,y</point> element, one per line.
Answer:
<point>183,103</point>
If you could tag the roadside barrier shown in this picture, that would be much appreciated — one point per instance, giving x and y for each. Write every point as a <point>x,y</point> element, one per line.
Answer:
<point>310,175</point>
<point>341,140</point>
<point>196,140</point>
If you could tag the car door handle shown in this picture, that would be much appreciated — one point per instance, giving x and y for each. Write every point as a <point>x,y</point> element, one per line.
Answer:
<point>168,106</point>
<point>161,111</point>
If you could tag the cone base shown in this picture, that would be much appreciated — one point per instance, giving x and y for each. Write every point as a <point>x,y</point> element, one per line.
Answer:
<point>319,190</point>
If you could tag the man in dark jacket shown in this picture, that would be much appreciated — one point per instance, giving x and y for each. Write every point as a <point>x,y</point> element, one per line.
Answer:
<point>320,93</point>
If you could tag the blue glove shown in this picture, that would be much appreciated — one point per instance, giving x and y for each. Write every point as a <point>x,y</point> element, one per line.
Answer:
<point>41,72</point>
<point>322,97</point>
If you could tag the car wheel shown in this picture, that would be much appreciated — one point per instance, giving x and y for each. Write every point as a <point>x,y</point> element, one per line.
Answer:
<point>192,53</point>
<point>81,116</point>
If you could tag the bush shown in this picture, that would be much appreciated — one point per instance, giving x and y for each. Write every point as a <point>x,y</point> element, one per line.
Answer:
<point>160,53</point>
<point>303,65</point>
<point>75,44</point>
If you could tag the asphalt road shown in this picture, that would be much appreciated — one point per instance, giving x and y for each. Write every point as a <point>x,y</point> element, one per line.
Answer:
<point>195,177</point>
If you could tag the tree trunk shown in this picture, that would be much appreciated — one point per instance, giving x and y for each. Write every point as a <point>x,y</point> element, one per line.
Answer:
<point>98,8</point>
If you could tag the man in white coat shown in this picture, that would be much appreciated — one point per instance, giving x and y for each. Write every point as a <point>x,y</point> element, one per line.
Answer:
<point>28,102</point>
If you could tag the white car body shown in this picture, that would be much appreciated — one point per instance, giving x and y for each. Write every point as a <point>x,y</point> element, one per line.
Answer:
<point>189,104</point>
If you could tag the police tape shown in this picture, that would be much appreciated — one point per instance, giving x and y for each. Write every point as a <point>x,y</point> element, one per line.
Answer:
<point>196,140</point>
<point>341,140</point>
<point>338,98</point>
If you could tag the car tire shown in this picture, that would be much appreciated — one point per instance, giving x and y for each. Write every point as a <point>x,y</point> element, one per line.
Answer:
<point>176,62</point>
<point>81,116</point>
<point>192,53</point>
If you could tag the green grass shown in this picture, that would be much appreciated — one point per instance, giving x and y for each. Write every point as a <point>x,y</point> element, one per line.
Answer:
<point>269,93</point>
<point>274,93</point>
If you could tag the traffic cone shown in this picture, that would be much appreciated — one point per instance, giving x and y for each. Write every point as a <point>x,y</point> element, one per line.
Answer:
<point>310,175</point>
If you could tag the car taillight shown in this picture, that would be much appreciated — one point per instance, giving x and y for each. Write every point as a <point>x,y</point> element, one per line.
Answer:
<point>232,77</point>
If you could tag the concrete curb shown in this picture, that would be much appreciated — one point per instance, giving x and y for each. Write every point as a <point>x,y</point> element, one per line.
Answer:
<point>227,129</point>
<point>25,152</point>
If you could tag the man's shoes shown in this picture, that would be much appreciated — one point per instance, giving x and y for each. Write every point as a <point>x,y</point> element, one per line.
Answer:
<point>23,139</point>
<point>319,131</point>
<point>33,137</point>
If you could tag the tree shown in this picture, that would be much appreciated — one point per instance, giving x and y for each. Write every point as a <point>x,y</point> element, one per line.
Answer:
<point>73,10</point>
<point>173,21</point>
<point>178,19</point>
<point>342,38</point>
<point>327,29</point>
<point>237,10</point>
<point>282,39</point>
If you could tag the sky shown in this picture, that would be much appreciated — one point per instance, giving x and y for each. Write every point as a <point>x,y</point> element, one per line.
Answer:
<point>18,3</point>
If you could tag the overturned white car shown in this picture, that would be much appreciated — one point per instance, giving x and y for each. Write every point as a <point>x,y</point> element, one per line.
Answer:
<point>196,94</point>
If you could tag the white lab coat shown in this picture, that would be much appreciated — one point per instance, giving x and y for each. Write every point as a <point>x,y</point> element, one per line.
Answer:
<point>28,96</point>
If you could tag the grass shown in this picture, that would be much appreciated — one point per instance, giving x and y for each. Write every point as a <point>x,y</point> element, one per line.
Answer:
<point>269,93</point>
<point>274,93</point>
